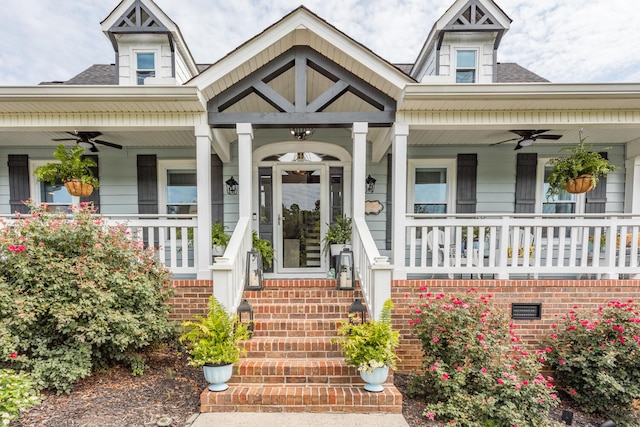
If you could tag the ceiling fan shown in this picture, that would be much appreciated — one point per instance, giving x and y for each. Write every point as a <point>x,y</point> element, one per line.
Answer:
<point>88,140</point>
<point>527,137</point>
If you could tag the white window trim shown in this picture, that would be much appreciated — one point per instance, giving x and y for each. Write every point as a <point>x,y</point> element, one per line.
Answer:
<point>156,56</point>
<point>449,164</point>
<point>163,167</point>
<point>34,182</point>
<point>541,197</point>
<point>476,66</point>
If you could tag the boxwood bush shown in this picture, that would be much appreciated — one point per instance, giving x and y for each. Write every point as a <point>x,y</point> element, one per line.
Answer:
<point>76,295</point>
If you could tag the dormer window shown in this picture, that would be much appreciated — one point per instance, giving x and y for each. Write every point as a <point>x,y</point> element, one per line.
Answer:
<point>145,66</point>
<point>466,66</point>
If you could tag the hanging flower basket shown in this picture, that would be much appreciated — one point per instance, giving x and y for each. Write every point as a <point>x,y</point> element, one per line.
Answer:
<point>75,187</point>
<point>580,184</point>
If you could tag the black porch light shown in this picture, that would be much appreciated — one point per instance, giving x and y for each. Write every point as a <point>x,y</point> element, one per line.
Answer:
<point>253,279</point>
<point>301,134</point>
<point>232,186</point>
<point>245,309</point>
<point>357,312</point>
<point>371,184</point>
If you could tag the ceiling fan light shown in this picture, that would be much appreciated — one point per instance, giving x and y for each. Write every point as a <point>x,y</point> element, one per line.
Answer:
<point>526,142</point>
<point>85,144</point>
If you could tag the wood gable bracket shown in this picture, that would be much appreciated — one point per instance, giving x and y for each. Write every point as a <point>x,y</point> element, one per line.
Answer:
<point>473,17</point>
<point>302,111</point>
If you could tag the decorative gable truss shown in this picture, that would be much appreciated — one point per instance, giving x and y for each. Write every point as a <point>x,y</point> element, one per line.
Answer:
<point>304,68</point>
<point>138,19</point>
<point>474,17</point>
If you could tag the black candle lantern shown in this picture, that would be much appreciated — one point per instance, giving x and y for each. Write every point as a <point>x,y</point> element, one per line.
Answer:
<point>253,279</point>
<point>245,308</point>
<point>357,312</point>
<point>344,270</point>
<point>232,186</point>
<point>371,184</point>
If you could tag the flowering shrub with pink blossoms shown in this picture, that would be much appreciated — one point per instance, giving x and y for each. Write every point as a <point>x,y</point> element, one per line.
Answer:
<point>475,371</point>
<point>595,356</point>
<point>76,295</point>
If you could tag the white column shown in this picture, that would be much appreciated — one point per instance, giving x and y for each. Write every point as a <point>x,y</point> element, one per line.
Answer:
<point>203,169</point>
<point>632,185</point>
<point>399,197</point>
<point>359,135</point>
<point>245,160</point>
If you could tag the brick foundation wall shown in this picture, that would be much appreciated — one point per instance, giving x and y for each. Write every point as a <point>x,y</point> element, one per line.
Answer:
<point>190,298</point>
<point>557,298</point>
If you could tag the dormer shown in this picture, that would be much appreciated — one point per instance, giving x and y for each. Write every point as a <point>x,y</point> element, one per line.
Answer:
<point>463,44</point>
<point>148,45</point>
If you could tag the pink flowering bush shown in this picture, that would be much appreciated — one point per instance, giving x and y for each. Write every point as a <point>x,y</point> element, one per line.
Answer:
<point>76,295</point>
<point>475,372</point>
<point>596,359</point>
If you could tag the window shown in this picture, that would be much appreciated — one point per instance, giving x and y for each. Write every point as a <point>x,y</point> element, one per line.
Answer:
<point>465,66</point>
<point>178,187</point>
<point>55,196</point>
<point>145,66</point>
<point>564,203</point>
<point>431,186</point>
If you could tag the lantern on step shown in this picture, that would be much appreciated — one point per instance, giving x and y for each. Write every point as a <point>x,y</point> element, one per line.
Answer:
<point>344,270</point>
<point>245,310</point>
<point>357,312</point>
<point>253,279</point>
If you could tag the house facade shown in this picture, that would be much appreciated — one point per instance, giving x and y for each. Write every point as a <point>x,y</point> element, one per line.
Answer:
<point>300,116</point>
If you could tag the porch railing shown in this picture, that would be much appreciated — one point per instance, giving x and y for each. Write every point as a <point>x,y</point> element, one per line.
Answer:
<point>499,246</point>
<point>373,270</point>
<point>229,269</point>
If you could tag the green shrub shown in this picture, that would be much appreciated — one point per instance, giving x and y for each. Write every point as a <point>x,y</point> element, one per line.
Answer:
<point>595,357</point>
<point>17,392</point>
<point>474,371</point>
<point>76,295</point>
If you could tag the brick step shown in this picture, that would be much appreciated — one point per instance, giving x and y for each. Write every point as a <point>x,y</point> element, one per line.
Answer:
<point>331,371</point>
<point>295,347</point>
<point>286,310</point>
<point>295,328</point>
<point>298,284</point>
<point>302,398</point>
<point>301,295</point>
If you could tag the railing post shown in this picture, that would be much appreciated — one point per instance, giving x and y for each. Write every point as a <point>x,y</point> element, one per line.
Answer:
<point>380,285</point>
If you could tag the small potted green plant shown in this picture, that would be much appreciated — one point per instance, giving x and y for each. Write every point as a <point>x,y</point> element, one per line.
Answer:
<point>73,170</point>
<point>213,342</point>
<point>370,346</point>
<point>338,235</point>
<point>219,238</point>
<point>579,172</point>
<point>265,249</point>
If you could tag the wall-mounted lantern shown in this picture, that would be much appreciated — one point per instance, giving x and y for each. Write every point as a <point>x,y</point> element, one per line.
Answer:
<point>232,186</point>
<point>253,279</point>
<point>371,184</point>
<point>245,308</point>
<point>344,270</point>
<point>357,312</point>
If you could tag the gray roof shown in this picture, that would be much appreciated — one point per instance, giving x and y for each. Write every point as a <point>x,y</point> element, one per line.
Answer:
<point>105,74</point>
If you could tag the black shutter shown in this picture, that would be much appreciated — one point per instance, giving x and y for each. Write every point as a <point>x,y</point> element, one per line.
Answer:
<point>596,199</point>
<point>466,185</point>
<point>217,190</point>
<point>147,184</point>
<point>94,197</point>
<point>526,166</point>
<point>389,201</point>
<point>18,182</point>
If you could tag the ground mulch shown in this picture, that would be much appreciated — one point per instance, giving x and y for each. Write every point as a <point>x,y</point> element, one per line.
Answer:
<point>169,394</point>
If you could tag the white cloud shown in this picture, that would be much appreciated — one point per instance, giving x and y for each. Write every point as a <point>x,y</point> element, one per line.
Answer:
<point>561,40</point>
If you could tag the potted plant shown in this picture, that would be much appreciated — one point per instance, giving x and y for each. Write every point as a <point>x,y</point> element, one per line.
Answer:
<point>579,172</point>
<point>265,249</point>
<point>370,346</point>
<point>213,343</point>
<point>219,238</point>
<point>73,170</point>
<point>338,235</point>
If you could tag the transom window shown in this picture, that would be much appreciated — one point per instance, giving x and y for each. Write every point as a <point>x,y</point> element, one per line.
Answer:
<point>466,66</point>
<point>145,66</point>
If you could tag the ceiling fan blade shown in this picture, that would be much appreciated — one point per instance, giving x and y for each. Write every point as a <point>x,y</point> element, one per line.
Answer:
<point>502,142</point>
<point>553,137</point>
<point>64,139</point>
<point>93,148</point>
<point>108,144</point>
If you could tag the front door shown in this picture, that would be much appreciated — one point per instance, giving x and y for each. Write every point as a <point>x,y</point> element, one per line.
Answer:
<point>302,210</point>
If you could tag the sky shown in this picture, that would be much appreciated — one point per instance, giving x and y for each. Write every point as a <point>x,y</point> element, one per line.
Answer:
<point>564,41</point>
